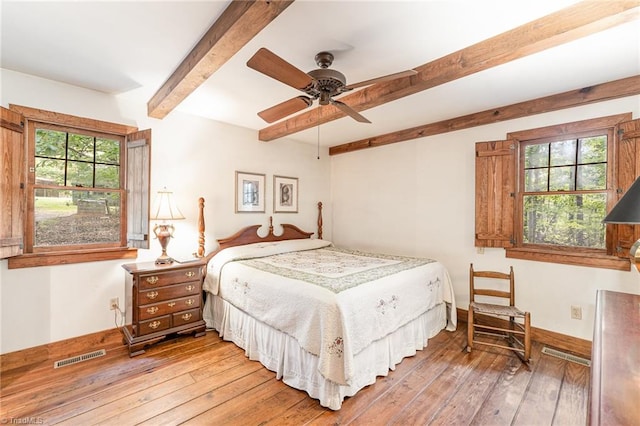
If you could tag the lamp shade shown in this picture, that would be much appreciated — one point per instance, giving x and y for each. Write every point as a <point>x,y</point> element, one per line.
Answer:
<point>164,208</point>
<point>627,210</point>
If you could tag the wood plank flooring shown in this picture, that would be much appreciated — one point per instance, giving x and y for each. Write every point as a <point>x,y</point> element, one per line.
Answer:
<point>205,381</point>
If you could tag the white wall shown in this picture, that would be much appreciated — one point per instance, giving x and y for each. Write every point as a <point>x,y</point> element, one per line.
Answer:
<point>417,198</point>
<point>192,156</point>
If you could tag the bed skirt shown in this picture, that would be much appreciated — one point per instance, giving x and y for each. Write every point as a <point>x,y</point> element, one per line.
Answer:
<point>296,367</point>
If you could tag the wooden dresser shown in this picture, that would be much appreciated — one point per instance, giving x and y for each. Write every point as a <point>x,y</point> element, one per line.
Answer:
<point>162,300</point>
<point>614,397</point>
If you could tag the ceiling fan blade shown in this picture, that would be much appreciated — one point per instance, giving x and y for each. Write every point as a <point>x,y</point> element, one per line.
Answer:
<point>274,66</point>
<point>393,76</point>
<point>285,108</point>
<point>349,111</point>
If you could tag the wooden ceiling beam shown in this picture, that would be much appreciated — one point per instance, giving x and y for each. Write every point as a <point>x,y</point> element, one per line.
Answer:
<point>566,25</point>
<point>598,93</point>
<point>240,22</point>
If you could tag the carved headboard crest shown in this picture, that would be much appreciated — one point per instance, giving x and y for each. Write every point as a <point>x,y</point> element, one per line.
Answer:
<point>250,235</point>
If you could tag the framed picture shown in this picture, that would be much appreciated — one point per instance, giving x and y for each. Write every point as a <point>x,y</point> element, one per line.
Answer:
<point>285,194</point>
<point>250,192</point>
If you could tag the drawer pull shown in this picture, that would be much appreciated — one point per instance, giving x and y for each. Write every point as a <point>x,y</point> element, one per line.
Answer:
<point>154,324</point>
<point>190,287</point>
<point>171,304</point>
<point>190,274</point>
<point>152,295</point>
<point>152,280</point>
<point>189,302</point>
<point>187,317</point>
<point>152,310</point>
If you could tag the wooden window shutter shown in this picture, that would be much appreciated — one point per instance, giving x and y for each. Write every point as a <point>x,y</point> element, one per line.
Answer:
<point>12,180</point>
<point>137,181</point>
<point>627,136</point>
<point>495,193</point>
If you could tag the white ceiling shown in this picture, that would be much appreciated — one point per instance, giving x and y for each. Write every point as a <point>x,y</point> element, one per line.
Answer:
<point>129,48</point>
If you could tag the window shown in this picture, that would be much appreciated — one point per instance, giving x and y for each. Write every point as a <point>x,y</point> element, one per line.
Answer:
<point>77,195</point>
<point>564,191</point>
<point>542,193</point>
<point>86,192</point>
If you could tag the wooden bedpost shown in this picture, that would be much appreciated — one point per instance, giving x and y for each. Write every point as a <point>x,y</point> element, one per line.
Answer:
<point>200,252</point>
<point>319,220</point>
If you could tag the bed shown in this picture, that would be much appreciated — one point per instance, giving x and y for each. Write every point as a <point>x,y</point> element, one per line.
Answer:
<point>327,320</point>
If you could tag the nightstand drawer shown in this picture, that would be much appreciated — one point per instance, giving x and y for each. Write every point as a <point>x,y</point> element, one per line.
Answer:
<point>166,293</point>
<point>148,281</point>
<point>168,307</point>
<point>154,325</point>
<point>186,317</point>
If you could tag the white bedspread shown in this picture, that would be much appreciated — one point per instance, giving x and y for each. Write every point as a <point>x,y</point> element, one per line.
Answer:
<point>334,302</point>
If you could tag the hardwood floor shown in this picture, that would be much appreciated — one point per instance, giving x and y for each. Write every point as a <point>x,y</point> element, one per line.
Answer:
<point>202,381</point>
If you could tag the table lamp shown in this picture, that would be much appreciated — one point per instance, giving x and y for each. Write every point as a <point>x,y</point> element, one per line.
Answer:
<point>627,211</point>
<point>164,209</point>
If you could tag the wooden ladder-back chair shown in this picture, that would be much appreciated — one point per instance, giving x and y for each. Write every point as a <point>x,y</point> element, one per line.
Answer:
<point>517,332</point>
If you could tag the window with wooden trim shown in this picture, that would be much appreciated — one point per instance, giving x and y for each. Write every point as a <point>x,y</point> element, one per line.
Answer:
<point>86,191</point>
<point>542,193</point>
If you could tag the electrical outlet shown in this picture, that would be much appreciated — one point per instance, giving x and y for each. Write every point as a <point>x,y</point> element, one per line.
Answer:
<point>576,312</point>
<point>114,303</point>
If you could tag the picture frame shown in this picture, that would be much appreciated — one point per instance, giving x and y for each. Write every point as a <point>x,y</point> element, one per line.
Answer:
<point>250,192</point>
<point>285,194</point>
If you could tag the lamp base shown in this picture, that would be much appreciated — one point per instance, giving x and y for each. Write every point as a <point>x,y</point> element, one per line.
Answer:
<point>164,260</point>
<point>164,233</point>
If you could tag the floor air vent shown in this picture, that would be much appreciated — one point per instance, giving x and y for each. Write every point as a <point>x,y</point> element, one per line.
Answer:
<point>566,356</point>
<point>79,358</point>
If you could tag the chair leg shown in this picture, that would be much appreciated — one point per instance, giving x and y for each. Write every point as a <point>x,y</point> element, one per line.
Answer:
<point>510,336</point>
<point>527,336</point>
<point>470,330</point>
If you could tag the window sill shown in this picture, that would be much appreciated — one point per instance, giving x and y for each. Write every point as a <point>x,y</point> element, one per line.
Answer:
<point>69,257</point>
<point>578,259</point>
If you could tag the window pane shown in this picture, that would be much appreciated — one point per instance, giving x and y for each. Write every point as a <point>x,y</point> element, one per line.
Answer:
<point>107,151</point>
<point>77,217</point>
<point>79,174</point>
<point>565,220</point>
<point>562,179</point>
<point>50,143</point>
<point>80,147</point>
<point>592,176</point>
<point>563,153</point>
<point>107,176</point>
<point>592,150</point>
<point>49,172</point>
<point>536,156</point>
<point>535,180</point>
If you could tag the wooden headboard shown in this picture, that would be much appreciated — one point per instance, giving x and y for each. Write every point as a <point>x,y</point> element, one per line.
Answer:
<point>250,235</point>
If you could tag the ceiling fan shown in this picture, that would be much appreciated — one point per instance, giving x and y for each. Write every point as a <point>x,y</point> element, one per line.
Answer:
<point>322,84</point>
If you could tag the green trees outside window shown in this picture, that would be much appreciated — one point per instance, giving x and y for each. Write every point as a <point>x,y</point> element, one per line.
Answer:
<point>72,170</point>
<point>565,192</point>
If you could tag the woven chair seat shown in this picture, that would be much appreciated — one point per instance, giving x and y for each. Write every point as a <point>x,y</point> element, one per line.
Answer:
<point>489,308</point>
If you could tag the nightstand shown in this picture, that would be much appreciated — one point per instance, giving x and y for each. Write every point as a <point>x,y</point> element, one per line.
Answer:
<point>162,300</point>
